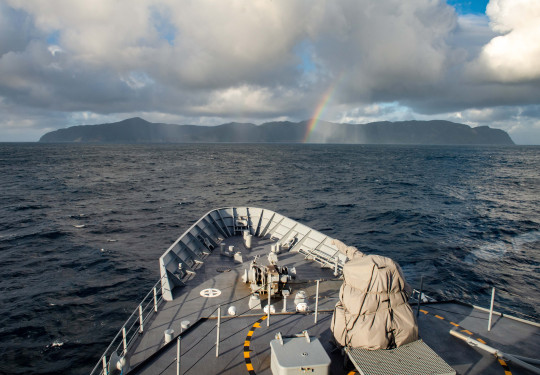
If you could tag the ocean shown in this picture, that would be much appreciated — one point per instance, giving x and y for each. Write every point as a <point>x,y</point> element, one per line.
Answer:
<point>82,226</point>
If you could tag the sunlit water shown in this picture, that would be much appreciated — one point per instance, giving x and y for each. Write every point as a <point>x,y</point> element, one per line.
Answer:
<point>82,227</point>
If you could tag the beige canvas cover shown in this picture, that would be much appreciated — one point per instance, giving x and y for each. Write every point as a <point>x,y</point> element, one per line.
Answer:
<point>373,310</point>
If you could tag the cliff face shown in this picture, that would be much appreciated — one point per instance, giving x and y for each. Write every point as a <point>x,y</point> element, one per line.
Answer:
<point>137,130</point>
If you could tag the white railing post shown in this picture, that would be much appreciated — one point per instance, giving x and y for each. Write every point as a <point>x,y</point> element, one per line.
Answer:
<point>141,321</point>
<point>419,296</point>
<point>317,302</point>
<point>491,308</point>
<point>104,360</point>
<point>155,299</point>
<point>218,325</point>
<point>178,356</point>
<point>124,339</point>
<point>269,299</point>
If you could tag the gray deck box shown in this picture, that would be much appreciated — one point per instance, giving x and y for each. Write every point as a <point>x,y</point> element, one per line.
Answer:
<point>298,355</point>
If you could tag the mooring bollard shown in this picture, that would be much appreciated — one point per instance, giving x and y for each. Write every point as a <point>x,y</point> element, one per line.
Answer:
<point>184,324</point>
<point>168,335</point>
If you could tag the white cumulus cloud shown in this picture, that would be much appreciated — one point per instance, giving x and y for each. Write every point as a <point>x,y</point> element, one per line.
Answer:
<point>514,55</point>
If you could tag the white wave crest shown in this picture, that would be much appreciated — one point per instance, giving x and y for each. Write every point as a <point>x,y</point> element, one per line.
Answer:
<point>498,249</point>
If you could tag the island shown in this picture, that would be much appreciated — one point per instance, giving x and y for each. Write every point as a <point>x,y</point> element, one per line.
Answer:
<point>138,130</point>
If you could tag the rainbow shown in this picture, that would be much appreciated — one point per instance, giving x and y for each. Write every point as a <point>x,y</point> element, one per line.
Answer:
<point>318,110</point>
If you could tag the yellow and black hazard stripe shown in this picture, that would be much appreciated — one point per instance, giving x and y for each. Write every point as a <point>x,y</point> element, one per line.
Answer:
<point>247,342</point>
<point>505,367</point>
<point>501,361</point>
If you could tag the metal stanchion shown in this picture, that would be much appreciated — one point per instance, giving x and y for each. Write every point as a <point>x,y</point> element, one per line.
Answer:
<point>124,339</point>
<point>317,302</point>
<point>178,356</point>
<point>269,292</point>
<point>141,321</point>
<point>218,325</point>
<point>491,308</point>
<point>155,299</point>
<point>105,372</point>
<point>420,296</point>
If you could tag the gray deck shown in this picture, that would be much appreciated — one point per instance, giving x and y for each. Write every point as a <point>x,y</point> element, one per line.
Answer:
<point>507,335</point>
<point>148,355</point>
<point>189,305</point>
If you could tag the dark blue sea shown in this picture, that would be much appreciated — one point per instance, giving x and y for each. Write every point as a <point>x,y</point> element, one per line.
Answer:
<point>82,226</point>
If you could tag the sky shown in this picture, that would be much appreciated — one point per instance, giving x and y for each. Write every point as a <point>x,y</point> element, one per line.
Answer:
<point>202,62</point>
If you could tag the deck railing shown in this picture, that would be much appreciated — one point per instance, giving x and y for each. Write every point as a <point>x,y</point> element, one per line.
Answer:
<point>133,326</point>
<point>420,296</point>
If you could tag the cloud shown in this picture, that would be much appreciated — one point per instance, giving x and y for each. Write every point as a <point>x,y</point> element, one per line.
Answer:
<point>54,49</point>
<point>208,45</point>
<point>471,34</point>
<point>16,28</point>
<point>514,55</point>
<point>385,50</point>
<point>209,62</point>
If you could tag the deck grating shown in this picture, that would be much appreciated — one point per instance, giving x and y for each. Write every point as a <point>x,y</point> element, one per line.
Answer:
<point>415,358</point>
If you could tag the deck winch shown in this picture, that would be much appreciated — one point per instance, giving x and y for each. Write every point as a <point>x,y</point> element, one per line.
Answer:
<point>260,276</point>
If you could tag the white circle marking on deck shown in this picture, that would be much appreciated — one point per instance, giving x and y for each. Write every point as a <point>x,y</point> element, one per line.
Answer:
<point>210,292</point>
